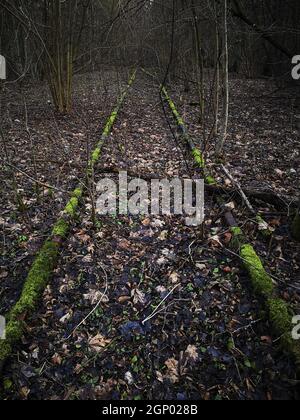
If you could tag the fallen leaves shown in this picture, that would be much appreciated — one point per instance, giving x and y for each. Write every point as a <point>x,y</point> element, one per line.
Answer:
<point>93,296</point>
<point>138,297</point>
<point>124,244</point>
<point>124,299</point>
<point>163,236</point>
<point>174,277</point>
<point>191,353</point>
<point>173,372</point>
<point>98,343</point>
<point>83,236</point>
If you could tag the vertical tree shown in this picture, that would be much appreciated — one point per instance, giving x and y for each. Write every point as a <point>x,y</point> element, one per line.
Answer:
<point>223,135</point>
<point>64,23</point>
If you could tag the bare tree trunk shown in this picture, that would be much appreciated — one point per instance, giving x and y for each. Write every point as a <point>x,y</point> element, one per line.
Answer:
<point>223,136</point>
<point>199,62</point>
<point>217,70</point>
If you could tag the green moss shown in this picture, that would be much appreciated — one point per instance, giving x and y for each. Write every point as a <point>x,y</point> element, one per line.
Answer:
<point>77,192</point>
<point>37,279</point>
<point>238,238</point>
<point>172,106</point>
<point>5,350</point>
<point>72,206</point>
<point>280,317</point>
<point>198,157</point>
<point>236,231</point>
<point>210,180</point>
<point>61,228</point>
<point>13,331</point>
<point>7,384</point>
<point>34,286</point>
<point>260,279</point>
<point>96,155</point>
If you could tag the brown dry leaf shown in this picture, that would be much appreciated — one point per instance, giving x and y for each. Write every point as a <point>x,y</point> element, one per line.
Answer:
<point>163,236</point>
<point>174,277</point>
<point>146,222</point>
<point>230,206</point>
<point>227,238</point>
<point>201,266</point>
<point>83,237</point>
<point>172,373</point>
<point>94,296</point>
<point>124,299</point>
<point>138,297</point>
<point>24,391</point>
<point>124,244</point>
<point>78,369</point>
<point>87,259</point>
<point>98,342</point>
<point>191,353</point>
<point>267,339</point>
<point>215,241</point>
<point>91,248</point>
<point>56,359</point>
<point>159,377</point>
<point>104,390</point>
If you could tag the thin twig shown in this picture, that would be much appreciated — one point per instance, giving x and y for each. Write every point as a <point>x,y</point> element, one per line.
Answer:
<point>32,179</point>
<point>95,308</point>
<point>159,305</point>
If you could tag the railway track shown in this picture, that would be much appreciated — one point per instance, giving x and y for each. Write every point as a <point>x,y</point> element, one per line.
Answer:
<point>143,306</point>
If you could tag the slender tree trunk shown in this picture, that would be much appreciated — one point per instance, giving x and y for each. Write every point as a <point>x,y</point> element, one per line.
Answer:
<point>223,136</point>
<point>217,70</point>
<point>199,62</point>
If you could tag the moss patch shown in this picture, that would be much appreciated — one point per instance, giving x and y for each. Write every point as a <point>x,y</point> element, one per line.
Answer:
<point>261,281</point>
<point>61,228</point>
<point>172,106</point>
<point>210,180</point>
<point>281,319</point>
<point>37,279</point>
<point>198,157</point>
<point>238,238</point>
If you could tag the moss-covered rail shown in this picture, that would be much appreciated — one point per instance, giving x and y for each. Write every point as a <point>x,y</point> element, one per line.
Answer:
<point>197,154</point>
<point>278,311</point>
<point>47,258</point>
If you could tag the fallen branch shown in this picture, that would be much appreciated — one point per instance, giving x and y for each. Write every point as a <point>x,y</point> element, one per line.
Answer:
<point>278,201</point>
<point>36,181</point>
<point>263,226</point>
<point>237,184</point>
<point>197,154</point>
<point>156,310</point>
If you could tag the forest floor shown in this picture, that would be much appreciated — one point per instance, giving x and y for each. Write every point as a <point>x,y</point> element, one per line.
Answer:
<point>210,339</point>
